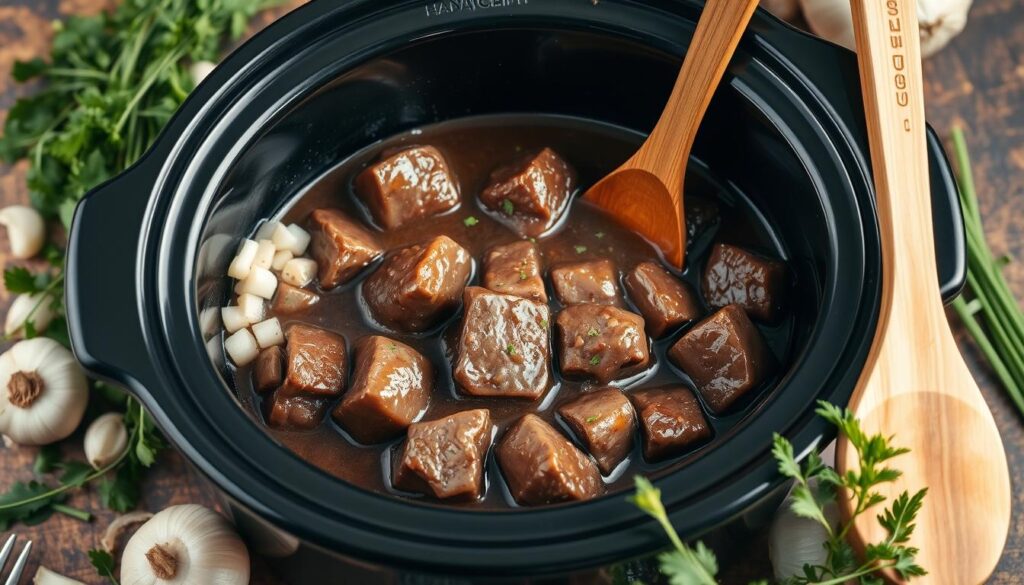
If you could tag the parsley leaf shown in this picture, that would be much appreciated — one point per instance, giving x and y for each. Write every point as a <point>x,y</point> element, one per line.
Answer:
<point>17,279</point>
<point>510,349</point>
<point>103,561</point>
<point>470,221</point>
<point>507,207</point>
<point>595,360</point>
<point>580,249</point>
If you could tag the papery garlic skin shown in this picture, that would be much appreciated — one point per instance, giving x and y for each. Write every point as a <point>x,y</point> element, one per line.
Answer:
<point>36,307</point>
<point>25,230</point>
<point>43,392</point>
<point>45,576</point>
<point>186,545</point>
<point>106,440</point>
<point>940,21</point>
<point>784,9</point>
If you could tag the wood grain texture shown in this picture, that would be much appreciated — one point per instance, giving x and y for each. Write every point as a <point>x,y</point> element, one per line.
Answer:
<point>978,81</point>
<point>645,193</point>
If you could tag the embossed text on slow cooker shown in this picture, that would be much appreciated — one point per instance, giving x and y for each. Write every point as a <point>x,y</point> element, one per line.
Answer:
<point>453,6</point>
<point>899,63</point>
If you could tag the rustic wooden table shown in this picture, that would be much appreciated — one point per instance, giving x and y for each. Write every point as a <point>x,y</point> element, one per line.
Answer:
<point>978,82</point>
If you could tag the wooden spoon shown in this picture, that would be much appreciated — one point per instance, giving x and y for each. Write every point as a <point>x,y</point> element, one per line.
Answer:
<point>915,384</point>
<point>646,193</point>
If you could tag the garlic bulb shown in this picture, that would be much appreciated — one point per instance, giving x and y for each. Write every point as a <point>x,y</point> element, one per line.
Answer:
<point>794,541</point>
<point>36,307</point>
<point>45,576</point>
<point>25,229</point>
<point>940,21</point>
<point>200,70</point>
<point>784,9</point>
<point>105,440</point>
<point>185,545</point>
<point>43,392</point>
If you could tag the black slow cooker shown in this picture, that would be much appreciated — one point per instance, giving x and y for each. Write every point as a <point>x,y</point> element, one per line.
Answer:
<point>148,251</point>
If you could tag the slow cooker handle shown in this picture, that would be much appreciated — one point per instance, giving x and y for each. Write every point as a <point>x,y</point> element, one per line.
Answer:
<point>102,280</point>
<point>947,222</point>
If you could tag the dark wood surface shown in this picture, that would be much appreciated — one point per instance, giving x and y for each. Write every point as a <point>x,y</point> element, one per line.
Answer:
<point>977,82</point>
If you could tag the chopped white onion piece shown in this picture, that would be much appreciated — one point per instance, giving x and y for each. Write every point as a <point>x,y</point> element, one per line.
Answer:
<point>268,333</point>
<point>252,307</point>
<point>265,251</point>
<point>242,347</point>
<point>233,318</point>
<point>260,282</point>
<point>299,271</point>
<point>291,238</point>
<point>242,263</point>
<point>280,259</point>
<point>302,238</point>
<point>266,230</point>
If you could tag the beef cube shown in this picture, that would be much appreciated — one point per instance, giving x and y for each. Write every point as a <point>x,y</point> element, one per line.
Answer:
<point>532,193</point>
<point>268,373</point>
<point>341,247</point>
<point>316,362</point>
<point>735,276</point>
<point>418,286</point>
<point>503,346</point>
<point>665,301</point>
<point>596,281</point>
<point>514,269</point>
<point>701,215</point>
<point>295,412</point>
<point>601,342</point>
<point>543,467</point>
<point>390,389</point>
<point>604,421</point>
<point>671,421</point>
<point>445,458</point>
<point>291,299</point>
<point>725,356</point>
<point>409,185</point>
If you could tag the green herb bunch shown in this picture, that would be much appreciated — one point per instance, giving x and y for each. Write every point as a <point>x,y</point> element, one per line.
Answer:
<point>697,565</point>
<point>111,83</point>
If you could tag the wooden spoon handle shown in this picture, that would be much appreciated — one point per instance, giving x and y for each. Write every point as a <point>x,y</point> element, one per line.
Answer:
<point>718,32</point>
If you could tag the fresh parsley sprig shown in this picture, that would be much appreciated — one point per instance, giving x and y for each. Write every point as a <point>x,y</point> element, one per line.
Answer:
<point>696,565</point>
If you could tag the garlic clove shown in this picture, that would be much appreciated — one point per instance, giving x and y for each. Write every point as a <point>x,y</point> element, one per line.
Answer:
<point>265,252</point>
<point>185,545</point>
<point>253,308</point>
<point>26,230</point>
<point>35,307</point>
<point>200,70</point>
<point>233,318</point>
<point>242,263</point>
<point>241,347</point>
<point>266,230</point>
<point>280,259</point>
<point>268,333</point>
<point>43,392</point>
<point>831,20</point>
<point>291,238</point>
<point>109,539</point>
<point>784,9</point>
<point>106,440</point>
<point>260,282</point>
<point>299,271</point>
<point>302,238</point>
<point>45,576</point>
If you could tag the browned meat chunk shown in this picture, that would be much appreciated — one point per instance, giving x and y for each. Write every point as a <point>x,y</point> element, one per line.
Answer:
<point>445,458</point>
<point>290,299</point>
<point>665,301</point>
<point>341,247</point>
<point>725,356</point>
<point>701,215</point>
<point>503,346</point>
<point>390,389</point>
<point>316,364</point>
<point>543,467</point>
<point>671,421</point>
<point>411,184</point>
<point>295,412</point>
<point>604,421</point>
<point>417,287</point>
<point>514,269</point>
<point>601,342</point>
<point>735,276</point>
<point>587,282</point>
<point>268,374</point>
<point>532,193</point>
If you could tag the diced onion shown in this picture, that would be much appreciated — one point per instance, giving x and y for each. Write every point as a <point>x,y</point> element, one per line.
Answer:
<point>242,263</point>
<point>252,307</point>
<point>241,347</point>
<point>299,271</point>
<point>268,333</point>
<point>280,259</point>
<point>302,239</point>
<point>264,254</point>
<point>266,230</point>
<point>233,318</point>
<point>291,238</point>
<point>260,282</point>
